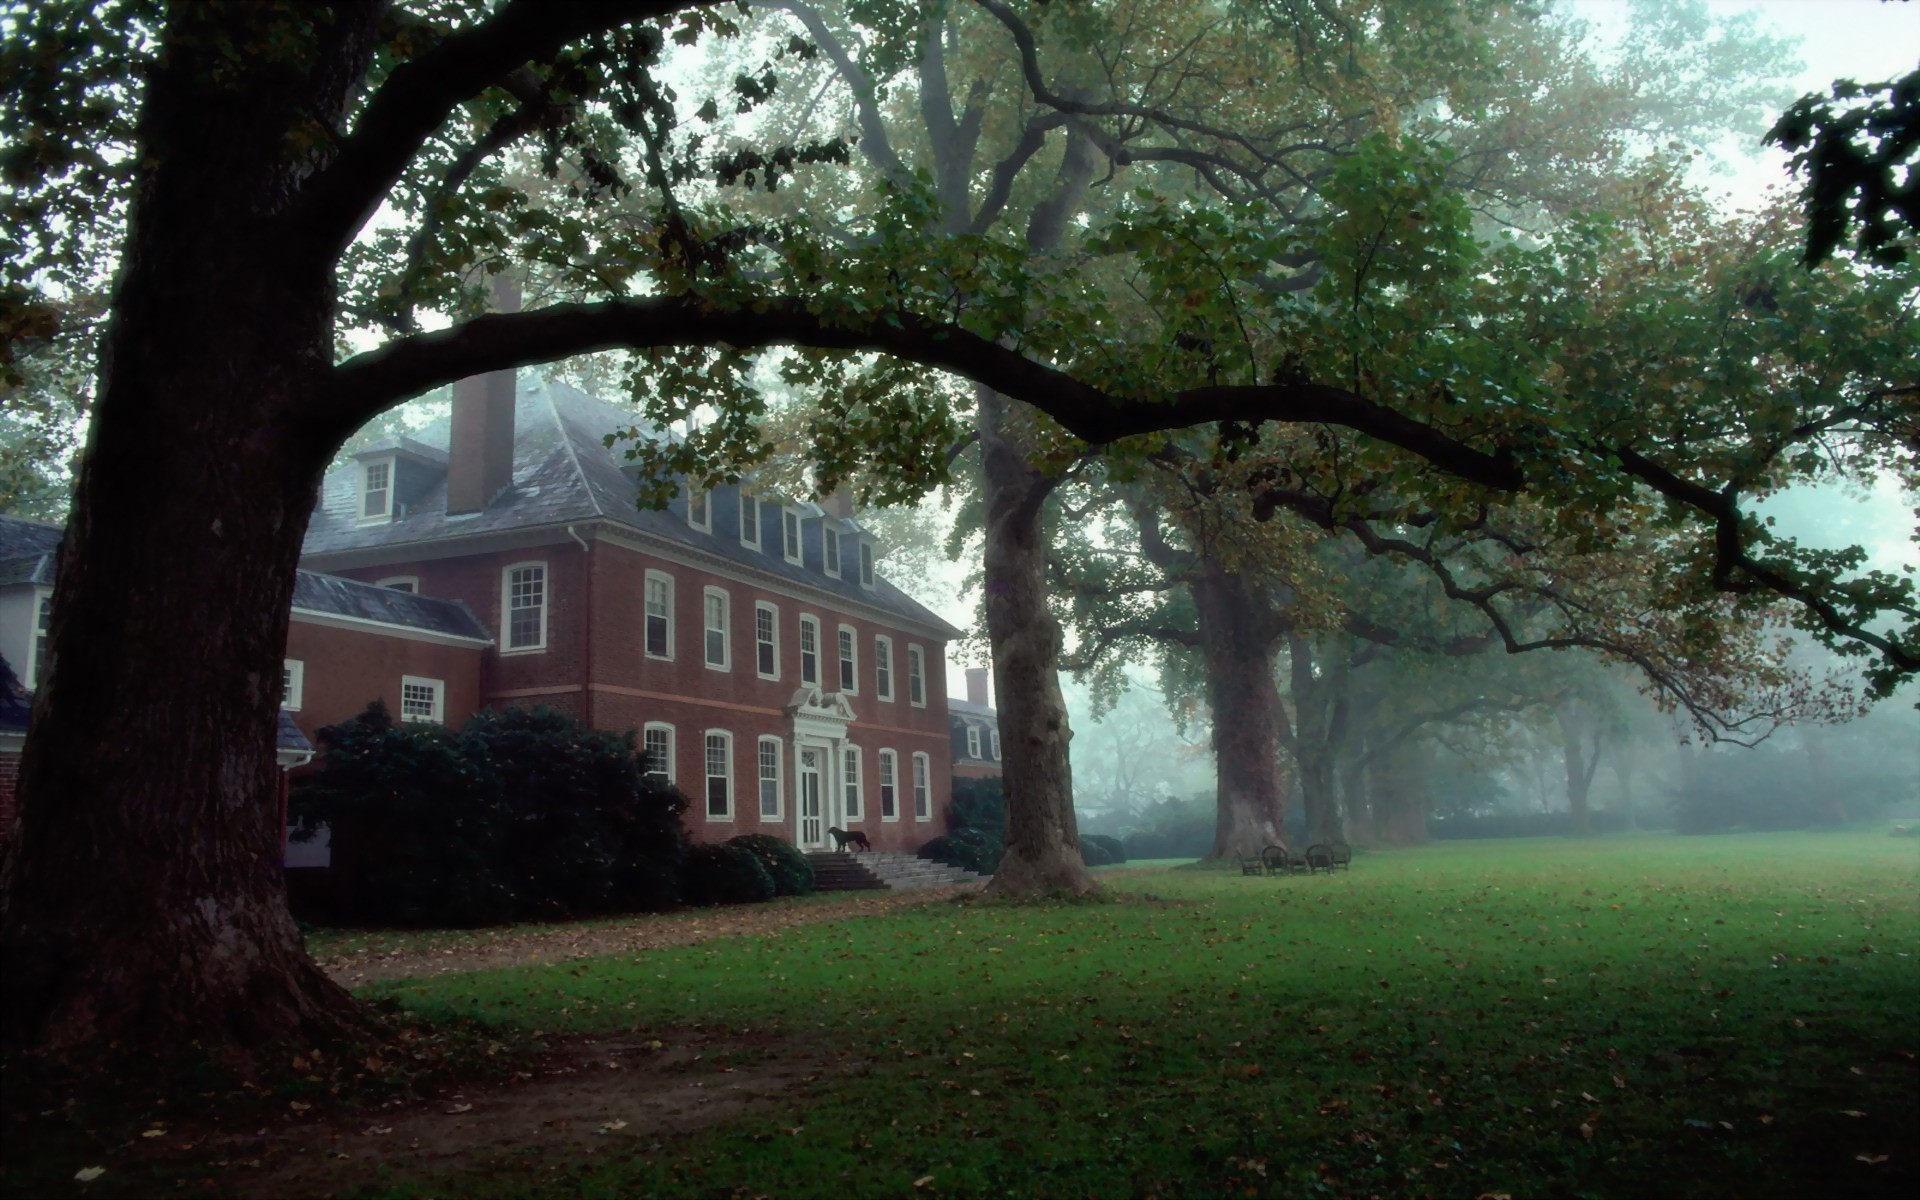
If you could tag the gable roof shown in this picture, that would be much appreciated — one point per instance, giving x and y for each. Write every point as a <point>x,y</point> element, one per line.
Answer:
<point>332,596</point>
<point>27,551</point>
<point>564,473</point>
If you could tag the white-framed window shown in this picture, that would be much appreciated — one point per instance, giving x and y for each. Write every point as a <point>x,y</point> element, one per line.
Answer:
<point>659,618</point>
<point>42,622</point>
<point>922,787</point>
<point>830,549</point>
<point>849,660</point>
<point>749,519</point>
<point>889,786</point>
<point>523,608</point>
<point>293,682</point>
<point>883,668</point>
<point>993,743</point>
<point>400,583</point>
<point>423,700</point>
<point>699,509</point>
<point>719,652</point>
<point>866,563</point>
<point>769,778</point>
<point>973,741</point>
<point>916,676</point>
<point>376,490</point>
<point>850,780</point>
<point>790,535</point>
<point>657,740</point>
<point>766,640</point>
<point>719,758</point>
<point>809,649</point>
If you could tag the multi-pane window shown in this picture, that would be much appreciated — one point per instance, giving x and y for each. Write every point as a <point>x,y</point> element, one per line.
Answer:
<point>525,623</point>
<point>42,621</point>
<point>719,774</point>
<point>993,743</point>
<point>916,677</point>
<point>699,510</point>
<point>766,640</point>
<point>717,629</point>
<point>850,781</point>
<point>376,492</point>
<point>973,741</point>
<point>849,664</point>
<point>659,615</point>
<point>889,786</point>
<point>866,563</point>
<point>809,650</point>
<point>422,699</point>
<point>922,788</point>
<point>790,534</point>
<point>883,668</point>
<point>293,681</point>
<point>830,550</point>
<point>657,741</point>
<point>770,778</point>
<point>749,519</point>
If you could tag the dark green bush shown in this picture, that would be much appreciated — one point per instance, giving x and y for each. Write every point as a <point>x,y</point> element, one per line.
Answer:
<point>792,874</point>
<point>971,849</point>
<point>1116,851</point>
<point>719,873</point>
<point>419,829</point>
<point>979,805</point>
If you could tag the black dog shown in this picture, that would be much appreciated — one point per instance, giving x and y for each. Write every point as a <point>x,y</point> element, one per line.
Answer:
<point>841,837</point>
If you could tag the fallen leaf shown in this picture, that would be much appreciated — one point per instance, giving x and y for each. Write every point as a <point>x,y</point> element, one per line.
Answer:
<point>1852,1112</point>
<point>611,1127</point>
<point>1586,1131</point>
<point>1872,1160</point>
<point>373,1130</point>
<point>89,1174</point>
<point>459,1108</point>
<point>923,1181</point>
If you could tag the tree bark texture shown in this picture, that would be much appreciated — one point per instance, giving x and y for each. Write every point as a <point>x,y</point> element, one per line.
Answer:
<point>143,900</point>
<point>1042,841</point>
<point>1399,802</point>
<point>1580,764</point>
<point>1237,642</point>
<point>1320,710</point>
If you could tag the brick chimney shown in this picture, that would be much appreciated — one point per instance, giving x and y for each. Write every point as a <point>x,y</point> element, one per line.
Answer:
<point>480,449</point>
<point>977,686</point>
<point>839,503</point>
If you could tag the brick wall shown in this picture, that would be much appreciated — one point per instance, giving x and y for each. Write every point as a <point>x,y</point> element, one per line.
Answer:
<point>346,669</point>
<point>9,792</point>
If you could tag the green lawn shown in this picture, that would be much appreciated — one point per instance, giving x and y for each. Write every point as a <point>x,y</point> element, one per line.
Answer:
<point>1634,1017</point>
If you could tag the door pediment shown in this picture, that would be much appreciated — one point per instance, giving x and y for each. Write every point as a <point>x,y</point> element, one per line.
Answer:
<point>816,704</point>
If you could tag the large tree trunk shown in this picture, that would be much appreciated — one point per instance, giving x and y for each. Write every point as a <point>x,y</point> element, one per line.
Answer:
<point>1399,800</point>
<point>1042,841</point>
<point>1319,706</point>
<point>1580,762</point>
<point>144,907</point>
<point>1623,760</point>
<point>1248,720</point>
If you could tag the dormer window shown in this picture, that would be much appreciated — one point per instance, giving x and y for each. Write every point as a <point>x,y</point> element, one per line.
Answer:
<point>699,510</point>
<point>830,549</point>
<point>749,520</point>
<point>790,535</point>
<point>376,490</point>
<point>866,563</point>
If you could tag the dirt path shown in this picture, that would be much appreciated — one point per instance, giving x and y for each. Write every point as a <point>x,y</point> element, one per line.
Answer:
<point>521,944</point>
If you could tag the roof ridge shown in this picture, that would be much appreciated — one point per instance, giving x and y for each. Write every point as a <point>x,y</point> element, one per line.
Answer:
<point>573,455</point>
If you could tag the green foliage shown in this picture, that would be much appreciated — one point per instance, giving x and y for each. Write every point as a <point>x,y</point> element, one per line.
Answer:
<point>979,805</point>
<point>1096,854</point>
<point>1110,848</point>
<point>1858,150</point>
<point>970,849</point>
<point>789,869</point>
<point>723,873</point>
<point>419,824</point>
<point>1174,829</point>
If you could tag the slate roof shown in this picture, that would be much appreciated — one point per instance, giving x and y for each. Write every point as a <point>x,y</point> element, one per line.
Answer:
<point>967,708</point>
<point>27,550</point>
<point>16,702</point>
<point>564,473</point>
<point>289,737</point>
<point>334,596</point>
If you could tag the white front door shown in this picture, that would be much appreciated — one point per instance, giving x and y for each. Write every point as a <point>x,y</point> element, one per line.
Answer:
<point>813,823</point>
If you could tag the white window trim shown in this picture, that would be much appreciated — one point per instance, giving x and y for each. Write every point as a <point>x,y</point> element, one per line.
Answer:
<point>797,555</point>
<point>360,494</point>
<point>439,687</point>
<point>993,743</point>
<point>779,788</point>
<point>294,683</point>
<point>726,629</point>
<point>819,650</point>
<point>887,758</point>
<point>973,740</point>
<point>652,575</point>
<point>749,504</point>
<point>922,786</point>
<point>672,748</point>
<point>762,606</point>
<point>852,800</point>
<point>704,525</point>
<point>394,581</point>
<point>867,574</point>
<point>42,606</point>
<point>883,684</point>
<point>829,536</point>
<point>851,671</point>
<point>706,777</point>
<point>916,670</point>
<point>506,606</point>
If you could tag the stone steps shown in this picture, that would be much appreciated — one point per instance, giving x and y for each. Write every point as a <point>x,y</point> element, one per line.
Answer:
<point>838,871</point>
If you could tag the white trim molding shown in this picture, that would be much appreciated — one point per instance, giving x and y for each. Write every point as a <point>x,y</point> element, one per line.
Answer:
<point>511,591</point>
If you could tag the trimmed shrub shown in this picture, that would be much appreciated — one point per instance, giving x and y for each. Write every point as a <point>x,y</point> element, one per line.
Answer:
<point>1093,854</point>
<point>720,873</point>
<point>970,849</point>
<point>1116,851</point>
<point>789,869</point>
